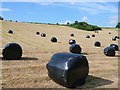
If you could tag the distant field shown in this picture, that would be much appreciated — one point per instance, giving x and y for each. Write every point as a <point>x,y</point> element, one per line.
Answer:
<point>31,72</point>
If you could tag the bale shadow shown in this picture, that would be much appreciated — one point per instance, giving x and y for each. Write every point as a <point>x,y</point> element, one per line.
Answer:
<point>117,55</point>
<point>59,42</point>
<point>84,53</point>
<point>22,58</point>
<point>92,82</point>
<point>29,58</point>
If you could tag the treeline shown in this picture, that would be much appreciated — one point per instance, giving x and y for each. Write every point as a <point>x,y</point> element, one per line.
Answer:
<point>118,25</point>
<point>84,26</point>
<point>1,18</point>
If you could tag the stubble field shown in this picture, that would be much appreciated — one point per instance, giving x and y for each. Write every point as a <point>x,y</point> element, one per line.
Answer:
<point>31,72</point>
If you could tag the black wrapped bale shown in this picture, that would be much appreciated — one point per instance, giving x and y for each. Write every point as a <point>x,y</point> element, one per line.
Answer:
<point>72,35</point>
<point>68,69</point>
<point>37,33</point>
<point>43,35</point>
<point>115,46</point>
<point>109,51</point>
<point>12,51</point>
<point>72,41</point>
<point>97,44</point>
<point>118,37</point>
<point>10,31</point>
<point>87,36</point>
<point>114,38</point>
<point>93,35</point>
<point>75,48</point>
<point>96,31</point>
<point>53,39</point>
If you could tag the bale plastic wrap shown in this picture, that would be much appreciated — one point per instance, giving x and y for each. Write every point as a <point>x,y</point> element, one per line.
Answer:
<point>68,69</point>
<point>115,46</point>
<point>12,51</point>
<point>53,39</point>
<point>72,41</point>
<point>75,48</point>
<point>109,51</point>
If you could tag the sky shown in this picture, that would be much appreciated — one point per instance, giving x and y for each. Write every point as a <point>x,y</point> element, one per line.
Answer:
<point>104,14</point>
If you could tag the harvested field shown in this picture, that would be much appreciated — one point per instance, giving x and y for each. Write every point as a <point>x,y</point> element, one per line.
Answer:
<point>31,72</point>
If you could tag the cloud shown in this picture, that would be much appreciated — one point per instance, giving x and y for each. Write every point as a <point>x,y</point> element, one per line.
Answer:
<point>84,19</point>
<point>5,9</point>
<point>95,7</point>
<point>87,7</point>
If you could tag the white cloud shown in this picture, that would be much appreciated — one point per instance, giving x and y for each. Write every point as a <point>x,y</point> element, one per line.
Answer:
<point>95,7</point>
<point>88,7</point>
<point>84,19</point>
<point>113,20</point>
<point>5,9</point>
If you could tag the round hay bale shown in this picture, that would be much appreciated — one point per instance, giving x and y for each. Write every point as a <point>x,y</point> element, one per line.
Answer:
<point>115,46</point>
<point>10,31</point>
<point>109,51</point>
<point>87,36</point>
<point>53,39</point>
<point>114,38</point>
<point>97,44</point>
<point>75,48</point>
<point>68,69</point>
<point>93,35</point>
<point>118,37</point>
<point>72,35</point>
<point>12,51</point>
<point>37,33</point>
<point>72,41</point>
<point>96,31</point>
<point>43,35</point>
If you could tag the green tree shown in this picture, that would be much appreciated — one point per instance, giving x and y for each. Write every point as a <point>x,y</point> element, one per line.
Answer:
<point>76,22</point>
<point>118,25</point>
<point>68,23</point>
<point>1,18</point>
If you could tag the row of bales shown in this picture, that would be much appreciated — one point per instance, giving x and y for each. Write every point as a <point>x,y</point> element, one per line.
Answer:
<point>66,68</point>
<point>72,35</point>
<point>71,41</point>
